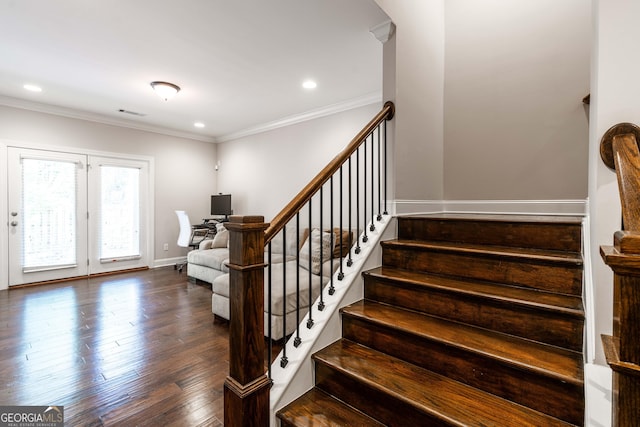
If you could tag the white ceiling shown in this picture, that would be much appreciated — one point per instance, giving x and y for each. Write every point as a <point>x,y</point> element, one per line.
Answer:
<point>240,63</point>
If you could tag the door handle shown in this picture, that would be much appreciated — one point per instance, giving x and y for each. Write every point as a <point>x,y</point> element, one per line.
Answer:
<point>14,223</point>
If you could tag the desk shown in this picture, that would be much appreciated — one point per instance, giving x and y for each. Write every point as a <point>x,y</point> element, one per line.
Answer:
<point>214,220</point>
<point>206,230</point>
<point>200,232</point>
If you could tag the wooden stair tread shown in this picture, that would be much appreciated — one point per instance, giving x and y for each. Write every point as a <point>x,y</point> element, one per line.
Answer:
<point>453,402</point>
<point>523,254</point>
<point>567,304</point>
<point>319,409</point>
<point>554,362</point>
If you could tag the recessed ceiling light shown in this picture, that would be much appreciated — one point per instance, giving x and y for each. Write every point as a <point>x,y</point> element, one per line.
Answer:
<point>32,88</point>
<point>199,124</point>
<point>309,84</point>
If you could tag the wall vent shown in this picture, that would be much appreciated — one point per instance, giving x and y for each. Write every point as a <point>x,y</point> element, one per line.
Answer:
<point>133,113</point>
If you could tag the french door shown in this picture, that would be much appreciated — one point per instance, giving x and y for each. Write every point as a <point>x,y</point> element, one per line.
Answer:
<point>117,214</point>
<point>47,215</point>
<point>73,215</point>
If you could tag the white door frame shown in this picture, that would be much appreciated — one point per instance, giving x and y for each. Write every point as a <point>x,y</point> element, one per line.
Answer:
<point>4,219</point>
<point>4,214</point>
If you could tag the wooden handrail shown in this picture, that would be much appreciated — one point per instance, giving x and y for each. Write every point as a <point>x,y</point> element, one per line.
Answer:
<point>246,391</point>
<point>619,150</point>
<point>289,211</point>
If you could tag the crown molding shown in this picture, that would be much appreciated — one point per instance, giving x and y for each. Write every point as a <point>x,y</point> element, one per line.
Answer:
<point>384,31</point>
<point>98,118</point>
<point>372,98</point>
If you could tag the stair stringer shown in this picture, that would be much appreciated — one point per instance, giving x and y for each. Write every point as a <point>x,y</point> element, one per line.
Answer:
<point>297,376</point>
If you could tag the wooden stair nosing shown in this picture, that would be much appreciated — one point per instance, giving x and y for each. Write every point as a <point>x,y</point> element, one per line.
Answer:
<point>569,259</point>
<point>489,344</point>
<point>432,393</point>
<point>320,409</point>
<point>565,304</point>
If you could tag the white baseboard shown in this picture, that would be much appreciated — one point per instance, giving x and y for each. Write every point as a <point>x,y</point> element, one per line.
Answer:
<point>598,382</point>
<point>522,207</point>
<point>166,262</point>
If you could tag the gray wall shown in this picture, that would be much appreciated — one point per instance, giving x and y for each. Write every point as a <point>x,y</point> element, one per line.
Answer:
<point>515,75</point>
<point>488,95</point>
<point>263,172</point>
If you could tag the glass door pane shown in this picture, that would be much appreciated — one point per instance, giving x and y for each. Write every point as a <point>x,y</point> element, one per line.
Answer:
<point>47,215</point>
<point>49,223</point>
<point>118,214</point>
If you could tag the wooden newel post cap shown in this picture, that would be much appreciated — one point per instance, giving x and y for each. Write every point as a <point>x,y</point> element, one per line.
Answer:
<point>235,220</point>
<point>606,143</point>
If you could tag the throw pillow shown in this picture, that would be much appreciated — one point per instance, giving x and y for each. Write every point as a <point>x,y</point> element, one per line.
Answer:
<point>321,243</point>
<point>278,246</point>
<point>205,244</point>
<point>221,238</point>
<point>347,242</point>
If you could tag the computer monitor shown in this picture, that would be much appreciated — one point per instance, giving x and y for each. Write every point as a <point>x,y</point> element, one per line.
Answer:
<point>221,205</point>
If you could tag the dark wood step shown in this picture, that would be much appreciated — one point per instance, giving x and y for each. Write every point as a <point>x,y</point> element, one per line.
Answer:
<point>563,233</point>
<point>552,271</point>
<point>319,409</point>
<point>542,377</point>
<point>555,319</point>
<point>398,393</point>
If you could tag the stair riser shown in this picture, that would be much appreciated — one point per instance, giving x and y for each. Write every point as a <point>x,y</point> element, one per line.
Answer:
<point>562,237</point>
<point>545,394</point>
<point>385,408</point>
<point>539,325</point>
<point>566,279</point>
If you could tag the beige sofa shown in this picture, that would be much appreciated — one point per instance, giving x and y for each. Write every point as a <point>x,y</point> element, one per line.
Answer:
<point>210,259</point>
<point>208,263</point>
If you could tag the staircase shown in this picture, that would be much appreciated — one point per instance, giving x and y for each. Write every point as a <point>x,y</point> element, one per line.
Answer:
<point>472,320</point>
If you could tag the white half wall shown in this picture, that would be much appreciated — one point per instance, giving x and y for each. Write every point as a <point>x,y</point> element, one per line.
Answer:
<point>419,95</point>
<point>615,95</point>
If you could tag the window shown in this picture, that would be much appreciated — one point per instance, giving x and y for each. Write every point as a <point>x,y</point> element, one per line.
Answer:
<point>49,214</point>
<point>119,212</point>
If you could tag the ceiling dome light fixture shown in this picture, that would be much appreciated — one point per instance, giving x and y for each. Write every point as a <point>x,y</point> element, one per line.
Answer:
<point>165,90</point>
<point>309,84</point>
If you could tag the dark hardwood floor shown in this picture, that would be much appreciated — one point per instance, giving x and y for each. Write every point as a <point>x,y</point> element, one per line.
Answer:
<point>130,349</point>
